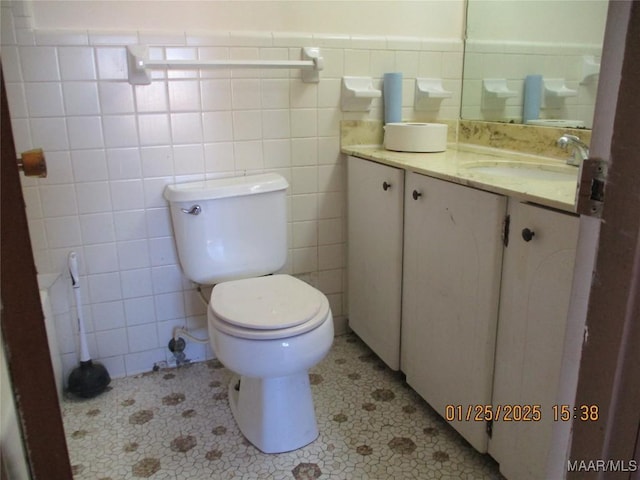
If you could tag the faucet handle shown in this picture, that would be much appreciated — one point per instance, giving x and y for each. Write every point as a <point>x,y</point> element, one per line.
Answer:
<point>565,140</point>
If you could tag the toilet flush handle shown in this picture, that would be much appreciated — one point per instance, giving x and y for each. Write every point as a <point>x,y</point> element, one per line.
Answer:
<point>195,210</point>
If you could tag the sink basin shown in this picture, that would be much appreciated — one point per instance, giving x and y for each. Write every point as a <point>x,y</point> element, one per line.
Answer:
<point>525,170</point>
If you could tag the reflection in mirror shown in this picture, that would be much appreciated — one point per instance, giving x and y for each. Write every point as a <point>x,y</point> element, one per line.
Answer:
<point>552,48</point>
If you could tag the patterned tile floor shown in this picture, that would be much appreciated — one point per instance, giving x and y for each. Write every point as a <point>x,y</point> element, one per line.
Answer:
<point>176,424</point>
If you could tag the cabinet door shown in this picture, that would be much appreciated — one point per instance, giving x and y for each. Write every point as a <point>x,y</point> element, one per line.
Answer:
<point>452,261</point>
<point>375,212</point>
<point>536,285</point>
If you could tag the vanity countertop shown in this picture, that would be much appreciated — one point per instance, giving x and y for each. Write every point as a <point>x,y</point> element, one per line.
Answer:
<point>466,165</point>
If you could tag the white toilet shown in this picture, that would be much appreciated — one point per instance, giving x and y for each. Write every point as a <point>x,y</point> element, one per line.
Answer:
<point>270,329</point>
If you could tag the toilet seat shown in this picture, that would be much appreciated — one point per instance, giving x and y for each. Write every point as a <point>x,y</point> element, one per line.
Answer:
<point>265,308</point>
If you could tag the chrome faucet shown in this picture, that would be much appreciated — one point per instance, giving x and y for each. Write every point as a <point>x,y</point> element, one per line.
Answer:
<point>579,149</point>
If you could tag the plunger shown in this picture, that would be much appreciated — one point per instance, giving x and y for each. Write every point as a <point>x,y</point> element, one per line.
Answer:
<point>90,378</point>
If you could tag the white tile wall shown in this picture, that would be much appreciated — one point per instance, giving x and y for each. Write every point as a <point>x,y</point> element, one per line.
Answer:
<point>112,147</point>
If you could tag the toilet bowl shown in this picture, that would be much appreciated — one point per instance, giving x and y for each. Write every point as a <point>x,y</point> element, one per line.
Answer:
<point>270,330</point>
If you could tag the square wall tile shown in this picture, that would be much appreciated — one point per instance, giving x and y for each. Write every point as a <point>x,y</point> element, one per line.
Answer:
<point>275,93</point>
<point>304,152</point>
<point>33,206</point>
<point>142,337</point>
<point>112,342</point>
<point>247,125</point>
<point>153,191</point>
<point>184,95</point>
<point>158,222</point>
<point>304,207</point>
<point>107,315</point>
<point>163,251</point>
<point>188,159</point>
<point>152,98</point>
<point>39,64</point>
<point>169,306</point>
<point>37,234</point>
<point>275,124</point>
<point>218,157</point>
<point>85,132</point>
<point>44,99</point>
<point>331,256</point>
<point>130,225</point>
<point>303,95</point>
<point>216,94</point>
<point>331,178</point>
<point>304,180</point>
<point>104,287</point>
<point>124,163</point>
<point>217,126</point>
<point>93,197</point>
<point>58,200</point>
<point>305,260</point>
<point>116,97</point>
<point>140,310</point>
<point>357,62</point>
<point>89,165</point>
<point>127,194</point>
<point>277,153</point>
<point>77,63</point>
<point>248,155</point>
<point>305,234</point>
<point>330,281</point>
<point>81,98</point>
<point>112,63</point>
<point>166,279</point>
<point>331,231</point>
<point>17,100</point>
<point>133,254</point>
<point>304,122</point>
<point>186,127</point>
<point>329,151</point>
<point>154,129</point>
<point>245,94</point>
<point>120,131</point>
<point>136,283</point>
<point>59,169</point>
<point>100,258</point>
<point>97,228</point>
<point>157,161</point>
<point>331,204</point>
<point>49,133</point>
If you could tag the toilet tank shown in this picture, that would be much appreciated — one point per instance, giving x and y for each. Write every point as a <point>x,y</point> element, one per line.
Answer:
<point>230,228</point>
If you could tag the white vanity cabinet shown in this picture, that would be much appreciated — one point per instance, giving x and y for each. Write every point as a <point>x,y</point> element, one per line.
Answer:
<point>451,286</point>
<point>375,213</point>
<point>536,285</point>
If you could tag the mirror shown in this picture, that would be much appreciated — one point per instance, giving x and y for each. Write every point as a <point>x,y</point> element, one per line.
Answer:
<point>532,61</point>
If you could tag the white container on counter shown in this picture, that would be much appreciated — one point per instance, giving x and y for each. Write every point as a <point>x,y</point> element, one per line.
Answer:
<point>415,137</point>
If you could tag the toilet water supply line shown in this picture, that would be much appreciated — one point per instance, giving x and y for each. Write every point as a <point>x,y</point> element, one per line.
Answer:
<point>180,330</point>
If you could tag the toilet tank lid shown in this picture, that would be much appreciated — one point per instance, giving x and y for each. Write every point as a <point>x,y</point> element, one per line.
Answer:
<point>225,187</point>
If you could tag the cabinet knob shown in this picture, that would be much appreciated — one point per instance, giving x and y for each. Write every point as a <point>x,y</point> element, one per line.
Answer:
<point>386,186</point>
<point>527,234</point>
<point>416,194</point>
